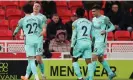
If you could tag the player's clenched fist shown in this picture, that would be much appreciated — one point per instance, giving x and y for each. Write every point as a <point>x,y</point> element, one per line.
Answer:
<point>42,33</point>
<point>21,36</point>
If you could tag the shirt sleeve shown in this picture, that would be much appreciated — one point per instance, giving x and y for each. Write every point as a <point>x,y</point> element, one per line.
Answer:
<point>19,26</point>
<point>74,32</point>
<point>44,21</point>
<point>109,24</point>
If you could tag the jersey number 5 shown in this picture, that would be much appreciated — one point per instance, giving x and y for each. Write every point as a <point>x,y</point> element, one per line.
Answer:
<point>85,29</point>
<point>30,26</point>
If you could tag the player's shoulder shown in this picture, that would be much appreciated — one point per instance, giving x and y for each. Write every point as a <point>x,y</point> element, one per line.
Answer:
<point>85,19</point>
<point>21,20</point>
<point>39,14</point>
<point>80,20</point>
<point>74,23</point>
<point>93,19</point>
<point>104,17</point>
<point>32,17</point>
<point>42,15</point>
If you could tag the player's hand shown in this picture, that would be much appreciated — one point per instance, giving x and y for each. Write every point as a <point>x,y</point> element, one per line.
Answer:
<point>42,33</point>
<point>21,36</point>
<point>71,51</point>
<point>103,32</point>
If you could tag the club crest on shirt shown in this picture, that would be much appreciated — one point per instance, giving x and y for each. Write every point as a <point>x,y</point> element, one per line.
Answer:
<point>73,27</point>
<point>99,22</point>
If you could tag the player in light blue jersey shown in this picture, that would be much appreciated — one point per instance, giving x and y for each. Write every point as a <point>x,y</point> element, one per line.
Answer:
<point>32,31</point>
<point>43,19</point>
<point>81,43</point>
<point>101,26</point>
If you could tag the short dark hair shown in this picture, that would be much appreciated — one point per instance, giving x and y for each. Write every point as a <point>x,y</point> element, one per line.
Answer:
<point>37,2</point>
<point>27,8</point>
<point>114,4</point>
<point>96,6</point>
<point>80,12</point>
<point>55,15</point>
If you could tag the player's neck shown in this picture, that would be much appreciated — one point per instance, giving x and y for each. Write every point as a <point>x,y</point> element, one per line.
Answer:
<point>27,14</point>
<point>80,17</point>
<point>98,15</point>
<point>35,13</point>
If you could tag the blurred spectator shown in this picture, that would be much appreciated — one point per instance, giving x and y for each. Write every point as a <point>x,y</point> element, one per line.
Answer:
<point>68,26</point>
<point>60,43</point>
<point>53,26</point>
<point>127,21</point>
<point>131,28</point>
<point>128,17</point>
<point>108,6</point>
<point>49,8</point>
<point>126,5</point>
<point>116,16</point>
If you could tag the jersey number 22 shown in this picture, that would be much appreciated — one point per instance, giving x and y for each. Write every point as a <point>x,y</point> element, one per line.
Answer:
<point>30,26</point>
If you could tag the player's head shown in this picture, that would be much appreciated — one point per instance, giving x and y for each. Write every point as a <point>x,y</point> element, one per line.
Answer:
<point>96,10</point>
<point>80,12</point>
<point>36,7</point>
<point>27,8</point>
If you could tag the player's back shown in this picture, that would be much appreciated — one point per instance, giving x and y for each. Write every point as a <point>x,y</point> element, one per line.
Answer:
<point>81,34</point>
<point>31,27</point>
<point>83,28</point>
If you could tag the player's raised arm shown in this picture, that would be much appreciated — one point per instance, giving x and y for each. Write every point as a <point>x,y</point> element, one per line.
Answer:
<point>110,25</point>
<point>73,39</point>
<point>19,26</point>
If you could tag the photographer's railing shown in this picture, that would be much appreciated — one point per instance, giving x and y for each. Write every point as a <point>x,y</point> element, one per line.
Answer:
<point>115,49</point>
